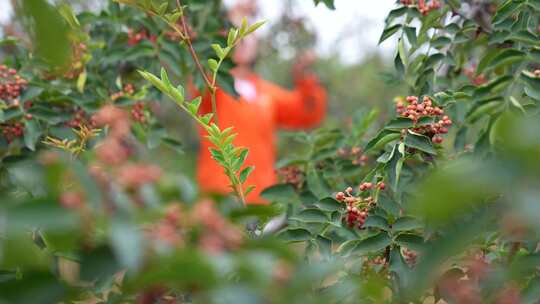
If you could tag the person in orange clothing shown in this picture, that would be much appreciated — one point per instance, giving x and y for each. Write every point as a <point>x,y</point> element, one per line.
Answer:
<point>260,109</point>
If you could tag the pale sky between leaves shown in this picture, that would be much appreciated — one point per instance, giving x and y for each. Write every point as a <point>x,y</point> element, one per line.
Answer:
<point>352,30</point>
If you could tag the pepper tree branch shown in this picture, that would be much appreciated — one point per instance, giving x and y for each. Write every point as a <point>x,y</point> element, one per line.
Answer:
<point>210,84</point>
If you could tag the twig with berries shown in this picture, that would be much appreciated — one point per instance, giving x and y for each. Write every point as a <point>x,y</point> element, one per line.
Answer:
<point>412,109</point>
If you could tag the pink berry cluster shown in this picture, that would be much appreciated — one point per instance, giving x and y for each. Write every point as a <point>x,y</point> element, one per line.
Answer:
<point>414,110</point>
<point>134,37</point>
<point>423,6</point>
<point>127,90</point>
<point>410,256</point>
<point>357,207</point>
<point>369,186</point>
<point>80,118</point>
<point>12,131</point>
<point>475,80</point>
<point>137,112</point>
<point>11,85</point>
<point>291,175</point>
<point>358,158</point>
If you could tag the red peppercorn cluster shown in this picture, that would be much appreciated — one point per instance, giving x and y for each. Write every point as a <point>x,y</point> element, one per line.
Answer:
<point>137,112</point>
<point>291,175</point>
<point>409,255</point>
<point>80,118</point>
<point>379,260</point>
<point>358,158</point>
<point>423,6</point>
<point>128,90</point>
<point>11,85</point>
<point>357,208</point>
<point>475,80</point>
<point>414,110</point>
<point>134,37</point>
<point>12,131</point>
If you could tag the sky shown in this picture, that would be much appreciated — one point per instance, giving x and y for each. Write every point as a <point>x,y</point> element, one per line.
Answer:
<point>352,30</point>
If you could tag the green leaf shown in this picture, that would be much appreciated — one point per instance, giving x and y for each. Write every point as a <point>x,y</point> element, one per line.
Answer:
<point>325,246</point>
<point>419,142</point>
<point>440,42</point>
<point>30,93</point>
<point>402,52</point>
<point>194,105</point>
<point>317,183</point>
<point>178,94</point>
<point>162,8</point>
<point>405,123</point>
<point>50,32</point>
<point>245,173</point>
<point>525,37</point>
<point>165,79</point>
<point>532,82</point>
<point>411,34</point>
<point>395,13</point>
<point>311,216</point>
<point>506,57</point>
<point>388,32</point>
<point>328,3</point>
<point>329,204</point>
<point>213,64</point>
<point>371,244</point>
<point>281,193</point>
<point>255,26</point>
<point>231,37</point>
<point>379,141</point>
<point>375,221</point>
<point>220,52</point>
<point>292,235</point>
<point>486,108</point>
<point>32,133</point>
<point>154,81</point>
<point>506,10</point>
<point>411,241</point>
<point>406,223</point>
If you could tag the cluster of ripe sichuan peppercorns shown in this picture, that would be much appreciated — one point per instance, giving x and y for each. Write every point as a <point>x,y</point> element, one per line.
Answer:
<point>291,175</point>
<point>357,206</point>
<point>137,112</point>
<point>80,118</point>
<point>128,89</point>
<point>477,80</point>
<point>134,37</point>
<point>13,130</point>
<point>358,158</point>
<point>409,255</point>
<point>414,110</point>
<point>423,6</point>
<point>11,85</point>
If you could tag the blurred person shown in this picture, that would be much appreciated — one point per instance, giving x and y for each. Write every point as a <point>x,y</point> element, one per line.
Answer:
<point>261,108</point>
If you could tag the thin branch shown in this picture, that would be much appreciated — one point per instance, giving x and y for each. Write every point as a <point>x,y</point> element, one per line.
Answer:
<point>210,84</point>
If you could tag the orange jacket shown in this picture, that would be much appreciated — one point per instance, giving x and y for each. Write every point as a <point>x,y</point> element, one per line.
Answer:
<point>261,108</point>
